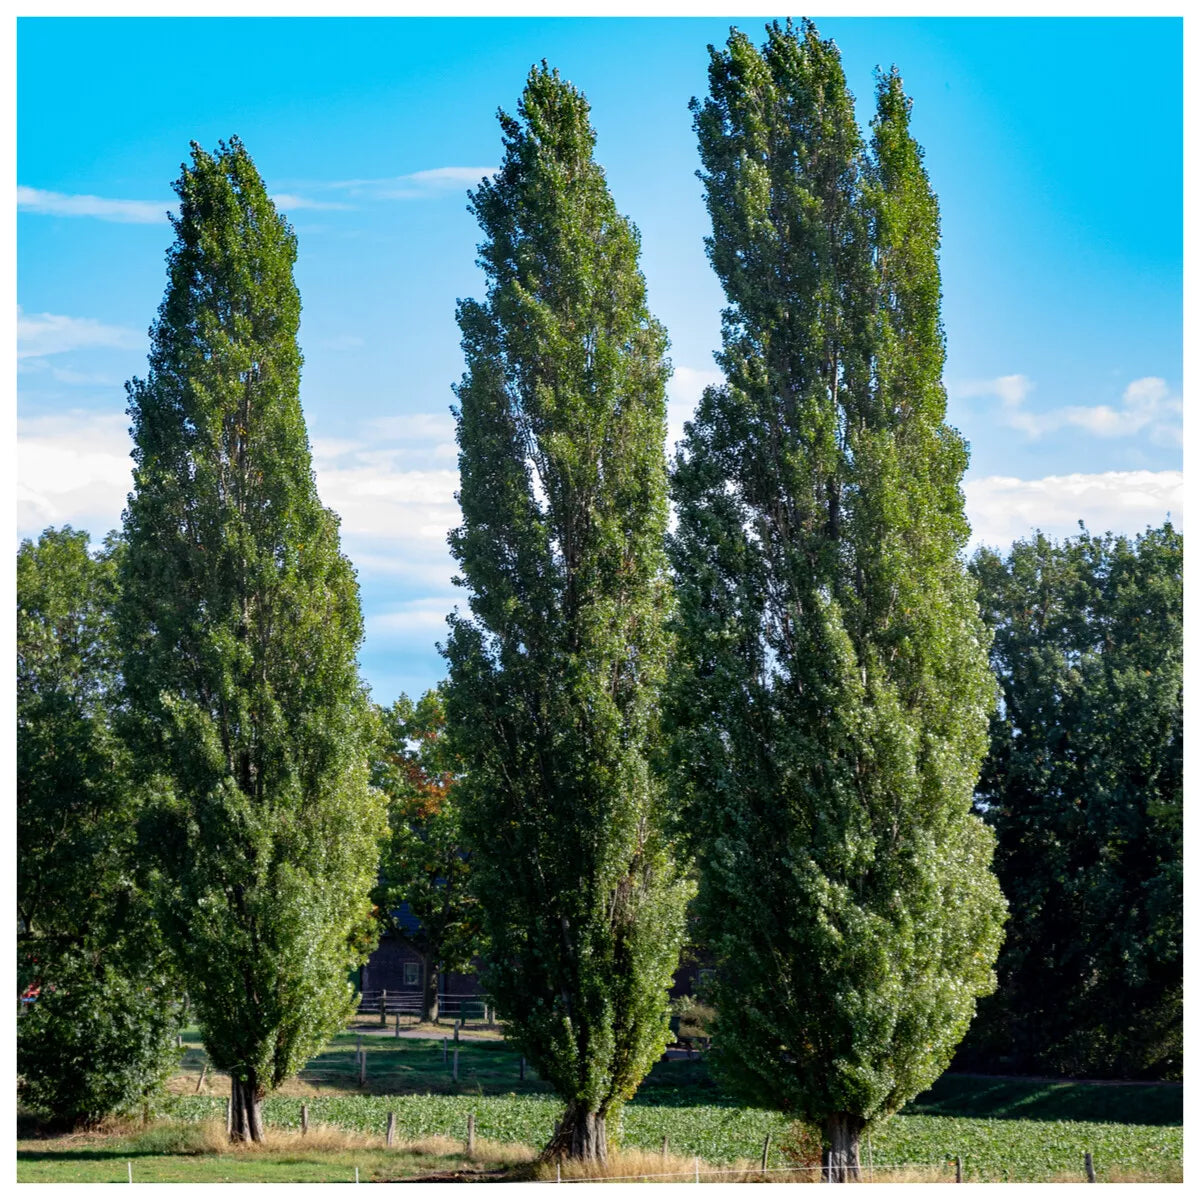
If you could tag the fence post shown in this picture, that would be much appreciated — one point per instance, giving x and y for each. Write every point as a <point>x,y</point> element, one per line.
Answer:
<point>358,1048</point>
<point>1088,1167</point>
<point>470,1133</point>
<point>958,1168</point>
<point>228,1116</point>
<point>304,1118</point>
<point>203,1076</point>
<point>391,1128</point>
<point>697,1165</point>
<point>457,1023</point>
<point>397,1024</point>
<point>522,1067</point>
<point>766,1150</point>
<point>383,1008</point>
<point>666,1145</point>
<point>179,1041</point>
<point>445,1050</point>
<point>455,1064</point>
<point>870,1161</point>
<point>362,1068</point>
<point>558,1171</point>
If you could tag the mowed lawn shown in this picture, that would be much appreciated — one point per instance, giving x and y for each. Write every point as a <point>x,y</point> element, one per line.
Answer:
<point>1001,1128</point>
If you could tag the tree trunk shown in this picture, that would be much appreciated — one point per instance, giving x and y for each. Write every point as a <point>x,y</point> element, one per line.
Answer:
<point>840,1155</point>
<point>429,1003</point>
<point>580,1135</point>
<point>246,1115</point>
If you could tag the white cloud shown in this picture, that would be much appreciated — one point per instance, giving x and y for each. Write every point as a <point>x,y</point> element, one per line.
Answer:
<point>450,177</point>
<point>422,616</point>
<point>60,204</point>
<point>394,492</point>
<point>1002,508</point>
<point>684,390</point>
<point>74,469</point>
<point>436,181</point>
<point>286,201</point>
<point>48,333</point>
<point>33,365</point>
<point>1146,405</point>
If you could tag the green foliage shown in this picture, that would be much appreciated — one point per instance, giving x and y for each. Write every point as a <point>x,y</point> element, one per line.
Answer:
<point>239,623</point>
<point>832,691</point>
<point>1084,788</point>
<point>98,1041</point>
<point>424,862</point>
<point>555,682</point>
<point>74,807</point>
<point>85,935</point>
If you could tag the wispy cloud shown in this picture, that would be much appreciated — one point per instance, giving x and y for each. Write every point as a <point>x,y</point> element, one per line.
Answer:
<point>42,366</point>
<point>60,204</point>
<point>1147,405</point>
<point>39,334</point>
<point>289,202</point>
<point>425,616</point>
<point>1003,508</point>
<point>437,181</point>
<point>139,212</point>
<point>392,482</point>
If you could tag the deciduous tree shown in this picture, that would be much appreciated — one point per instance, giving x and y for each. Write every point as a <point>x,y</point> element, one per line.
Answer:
<point>832,691</point>
<point>424,864</point>
<point>99,1037</point>
<point>555,678</point>
<point>1084,788</point>
<point>239,622</point>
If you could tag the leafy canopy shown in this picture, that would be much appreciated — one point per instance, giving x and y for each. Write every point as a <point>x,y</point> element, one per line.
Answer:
<point>832,691</point>
<point>1083,785</point>
<point>239,623</point>
<point>98,1039</point>
<point>555,679</point>
<point>424,863</point>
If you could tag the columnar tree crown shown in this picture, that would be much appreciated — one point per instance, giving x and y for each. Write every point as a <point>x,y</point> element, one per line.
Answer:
<point>555,679</point>
<point>831,702</point>
<point>240,625</point>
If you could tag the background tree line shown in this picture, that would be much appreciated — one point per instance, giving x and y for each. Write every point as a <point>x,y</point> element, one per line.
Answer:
<point>791,709</point>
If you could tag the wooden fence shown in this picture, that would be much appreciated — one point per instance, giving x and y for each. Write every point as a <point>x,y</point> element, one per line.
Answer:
<point>458,1005</point>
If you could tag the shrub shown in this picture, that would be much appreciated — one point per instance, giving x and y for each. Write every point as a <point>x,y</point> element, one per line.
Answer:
<point>95,1043</point>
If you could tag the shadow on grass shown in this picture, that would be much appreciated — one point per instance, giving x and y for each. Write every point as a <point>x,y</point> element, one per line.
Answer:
<point>1063,1100</point>
<point>94,1154</point>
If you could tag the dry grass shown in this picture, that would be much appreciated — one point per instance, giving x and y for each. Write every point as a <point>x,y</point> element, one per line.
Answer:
<point>637,1166</point>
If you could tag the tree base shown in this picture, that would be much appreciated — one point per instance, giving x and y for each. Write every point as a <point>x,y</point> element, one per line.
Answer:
<point>245,1113</point>
<point>839,1158</point>
<point>580,1136</point>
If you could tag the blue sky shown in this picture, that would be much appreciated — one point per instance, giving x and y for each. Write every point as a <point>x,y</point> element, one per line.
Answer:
<point>1055,146</point>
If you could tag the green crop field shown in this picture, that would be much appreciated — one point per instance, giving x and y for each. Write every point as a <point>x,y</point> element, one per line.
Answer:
<point>992,1149</point>
<point>1001,1128</point>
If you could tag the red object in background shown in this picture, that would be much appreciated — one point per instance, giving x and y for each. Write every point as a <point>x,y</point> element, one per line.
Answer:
<point>31,993</point>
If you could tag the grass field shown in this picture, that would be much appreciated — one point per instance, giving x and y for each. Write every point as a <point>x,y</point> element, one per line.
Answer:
<point>1002,1128</point>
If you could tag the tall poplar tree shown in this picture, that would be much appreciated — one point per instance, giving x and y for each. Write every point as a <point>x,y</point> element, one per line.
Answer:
<point>555,680</point>
<point>240,623</point>
<point>831,699</point>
